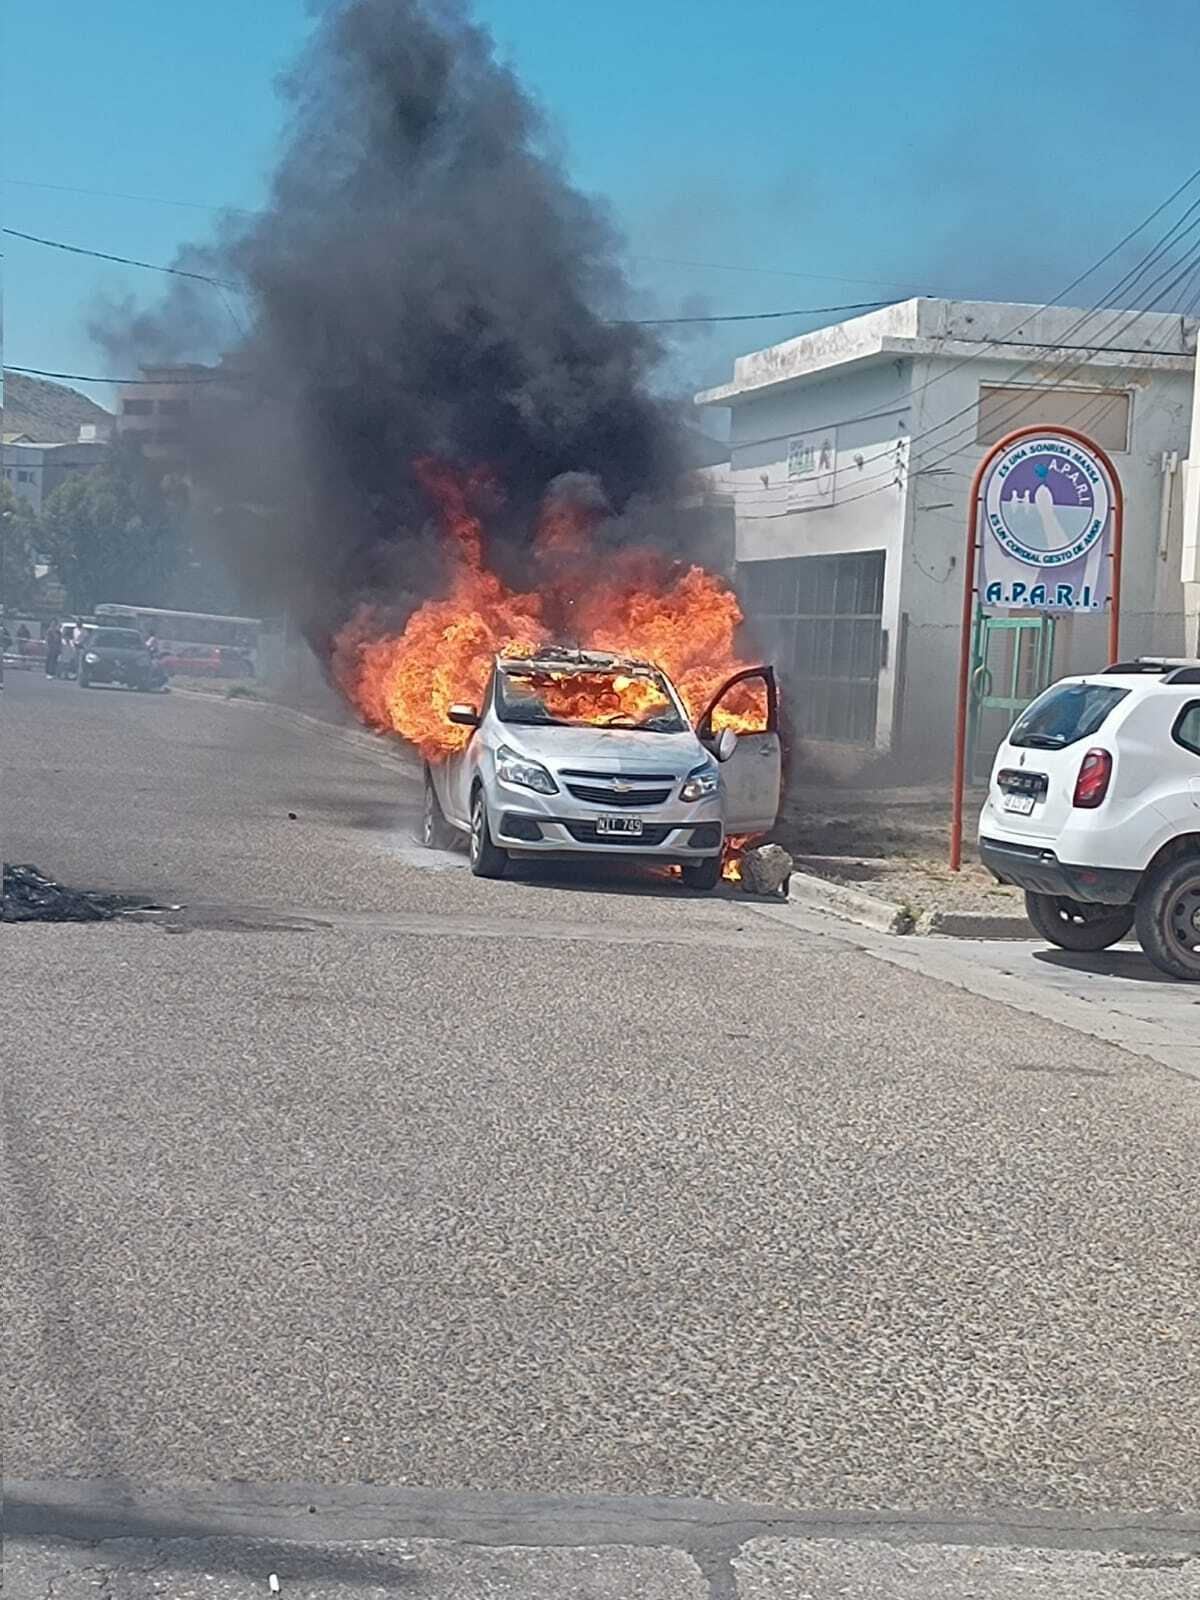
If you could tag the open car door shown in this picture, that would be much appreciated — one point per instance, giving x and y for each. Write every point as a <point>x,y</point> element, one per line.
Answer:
<point>752,777</point>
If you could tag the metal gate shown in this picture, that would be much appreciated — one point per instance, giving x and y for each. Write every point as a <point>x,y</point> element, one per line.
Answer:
<point>819,619</point>
<point>1012,662</point>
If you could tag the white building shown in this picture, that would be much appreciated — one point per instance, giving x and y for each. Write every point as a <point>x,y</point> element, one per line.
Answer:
<point>34,469</point>
<point>851,454</point>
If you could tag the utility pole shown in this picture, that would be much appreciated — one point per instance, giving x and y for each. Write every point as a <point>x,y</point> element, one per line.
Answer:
<point>1190,567</point>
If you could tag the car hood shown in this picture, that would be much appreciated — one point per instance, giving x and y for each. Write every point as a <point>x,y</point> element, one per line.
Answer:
<point>111,653</point>
<point>606,749</point>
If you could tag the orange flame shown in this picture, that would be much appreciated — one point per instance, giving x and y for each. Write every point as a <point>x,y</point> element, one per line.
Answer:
<point>735,847</point>
<point>630,602</point>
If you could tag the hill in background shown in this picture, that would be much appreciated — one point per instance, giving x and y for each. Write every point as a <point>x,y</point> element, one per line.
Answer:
<point>50,413</point>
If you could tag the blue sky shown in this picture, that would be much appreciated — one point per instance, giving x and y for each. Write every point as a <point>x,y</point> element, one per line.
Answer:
<point>829,155</point>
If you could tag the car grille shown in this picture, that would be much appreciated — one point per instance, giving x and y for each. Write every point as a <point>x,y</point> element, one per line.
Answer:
<point>595,795</point>
<point>585,833</point>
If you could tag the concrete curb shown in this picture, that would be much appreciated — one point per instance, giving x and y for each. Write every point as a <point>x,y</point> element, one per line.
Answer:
<point>376,745</point>
<point>886,916</point>
<point>851,905</point>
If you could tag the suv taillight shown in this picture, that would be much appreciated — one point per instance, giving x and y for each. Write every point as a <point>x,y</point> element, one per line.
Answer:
<point>1092,783</point>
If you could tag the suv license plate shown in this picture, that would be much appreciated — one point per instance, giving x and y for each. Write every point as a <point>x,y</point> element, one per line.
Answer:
<point>618,824</point>
<point>1022,804</point>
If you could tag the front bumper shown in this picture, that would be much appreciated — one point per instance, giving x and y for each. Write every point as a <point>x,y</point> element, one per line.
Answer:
<point>556,824</point>
<point>1039,871</point>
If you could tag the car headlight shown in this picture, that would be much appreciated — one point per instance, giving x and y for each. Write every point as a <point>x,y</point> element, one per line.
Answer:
<point>91,658</point>
<point>512,768</point>
<point>701,782</point>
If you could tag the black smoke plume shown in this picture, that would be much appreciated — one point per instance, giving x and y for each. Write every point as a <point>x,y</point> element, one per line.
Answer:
<point>424,280</point>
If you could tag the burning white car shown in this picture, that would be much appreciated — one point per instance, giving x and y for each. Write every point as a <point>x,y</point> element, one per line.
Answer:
<point>582,753</point>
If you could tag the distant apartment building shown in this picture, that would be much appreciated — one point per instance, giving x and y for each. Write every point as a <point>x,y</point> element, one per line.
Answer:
<point>35,469</point>
<point>157,411</point>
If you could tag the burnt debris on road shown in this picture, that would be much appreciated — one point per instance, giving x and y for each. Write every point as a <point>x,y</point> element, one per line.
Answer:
<point>30,896</point>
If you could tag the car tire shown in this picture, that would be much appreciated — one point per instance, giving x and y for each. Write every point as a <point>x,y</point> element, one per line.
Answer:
<point>84,681</point>
<point>1075,925</point>
<point>704,874</point>
<point>487,859</point>
<point>436,832</point>
<point>1168,917</point>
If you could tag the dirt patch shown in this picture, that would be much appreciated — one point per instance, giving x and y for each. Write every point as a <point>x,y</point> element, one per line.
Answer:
<point>920,886</point>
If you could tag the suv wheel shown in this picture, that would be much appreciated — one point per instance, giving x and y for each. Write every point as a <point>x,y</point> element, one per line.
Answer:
<point>487,859</point>
<point>436,832</point>
<point>1168,917</point>
<point>1075,925</point>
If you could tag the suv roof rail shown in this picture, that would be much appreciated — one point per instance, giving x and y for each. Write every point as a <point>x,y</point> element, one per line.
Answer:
<point>1151,664</point>
<point>1184,674</point>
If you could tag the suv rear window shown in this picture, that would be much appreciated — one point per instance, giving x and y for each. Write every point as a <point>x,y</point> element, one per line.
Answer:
<point>1187,728</point>
<point>1064,714</point>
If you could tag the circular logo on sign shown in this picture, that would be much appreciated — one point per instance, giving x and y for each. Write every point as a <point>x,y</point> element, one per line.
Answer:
<point>1047,500</point>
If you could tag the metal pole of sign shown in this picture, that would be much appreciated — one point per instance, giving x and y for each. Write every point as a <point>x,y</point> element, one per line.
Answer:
<point>1118,543</point>
<point>964,663</point>
<point>973,540</point>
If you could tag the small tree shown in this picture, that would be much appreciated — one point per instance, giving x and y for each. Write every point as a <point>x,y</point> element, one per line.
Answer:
<point>114,533</point>
<point>19,543</point>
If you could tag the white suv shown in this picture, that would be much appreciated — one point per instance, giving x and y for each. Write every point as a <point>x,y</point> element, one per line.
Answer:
<point>1094,810</point>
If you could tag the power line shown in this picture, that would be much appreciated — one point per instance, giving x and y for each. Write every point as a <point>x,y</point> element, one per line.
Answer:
<point>1012,408</point>
<point>742,316</point>
<point>904,401</point>
<point>1191,260</point>
<point>124,261</point>
<point>666,261</point>
<point>116,194</point>
<point>771,272</point>
<point>620,322</point>
<point>85,377</point>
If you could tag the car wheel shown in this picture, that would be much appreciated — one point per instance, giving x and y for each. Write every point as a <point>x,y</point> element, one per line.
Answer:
<point>1075,925</point>
<point>487,859</point>
<point>704,874</point>
<point>1168,918</point>
<point>436,832</point>
<point>84,681</point>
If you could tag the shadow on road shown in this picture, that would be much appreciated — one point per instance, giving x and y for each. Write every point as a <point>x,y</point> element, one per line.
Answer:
<point>200,1548</point>
<point>1116,963</point>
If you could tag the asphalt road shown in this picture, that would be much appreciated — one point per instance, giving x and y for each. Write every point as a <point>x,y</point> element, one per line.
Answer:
<point>360,1170</point>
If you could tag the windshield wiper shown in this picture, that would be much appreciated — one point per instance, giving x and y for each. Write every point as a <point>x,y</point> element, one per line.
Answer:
<point>1042,741</point>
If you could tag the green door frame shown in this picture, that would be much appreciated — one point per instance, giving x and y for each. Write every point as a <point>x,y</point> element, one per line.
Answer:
<point>1010,699</point>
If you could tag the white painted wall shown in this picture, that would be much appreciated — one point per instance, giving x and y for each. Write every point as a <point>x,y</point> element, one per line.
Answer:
<point>869,406</point>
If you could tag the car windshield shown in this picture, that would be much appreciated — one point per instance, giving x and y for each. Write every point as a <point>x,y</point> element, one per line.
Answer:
<point>1064,714</point>
<point>635,700</point>
<point>116,639</point>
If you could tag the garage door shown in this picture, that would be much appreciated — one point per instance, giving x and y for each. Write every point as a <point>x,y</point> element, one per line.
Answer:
<point>818,618</point>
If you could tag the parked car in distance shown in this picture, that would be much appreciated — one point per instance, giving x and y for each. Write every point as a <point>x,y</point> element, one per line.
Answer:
<point>115,656</point>
<point>1094,810</point>
<point>192,661</point>
<point>582,753</point>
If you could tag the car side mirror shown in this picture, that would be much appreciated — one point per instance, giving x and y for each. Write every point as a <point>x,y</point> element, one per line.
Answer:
<point>465,716</point>
<point>726,744</point>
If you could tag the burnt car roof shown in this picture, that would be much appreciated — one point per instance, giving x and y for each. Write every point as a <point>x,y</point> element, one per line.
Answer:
<point>566,658</point>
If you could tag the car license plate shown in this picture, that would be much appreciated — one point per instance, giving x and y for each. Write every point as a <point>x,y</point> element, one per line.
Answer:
<point>1022,804</point>
<point>618,825</point>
